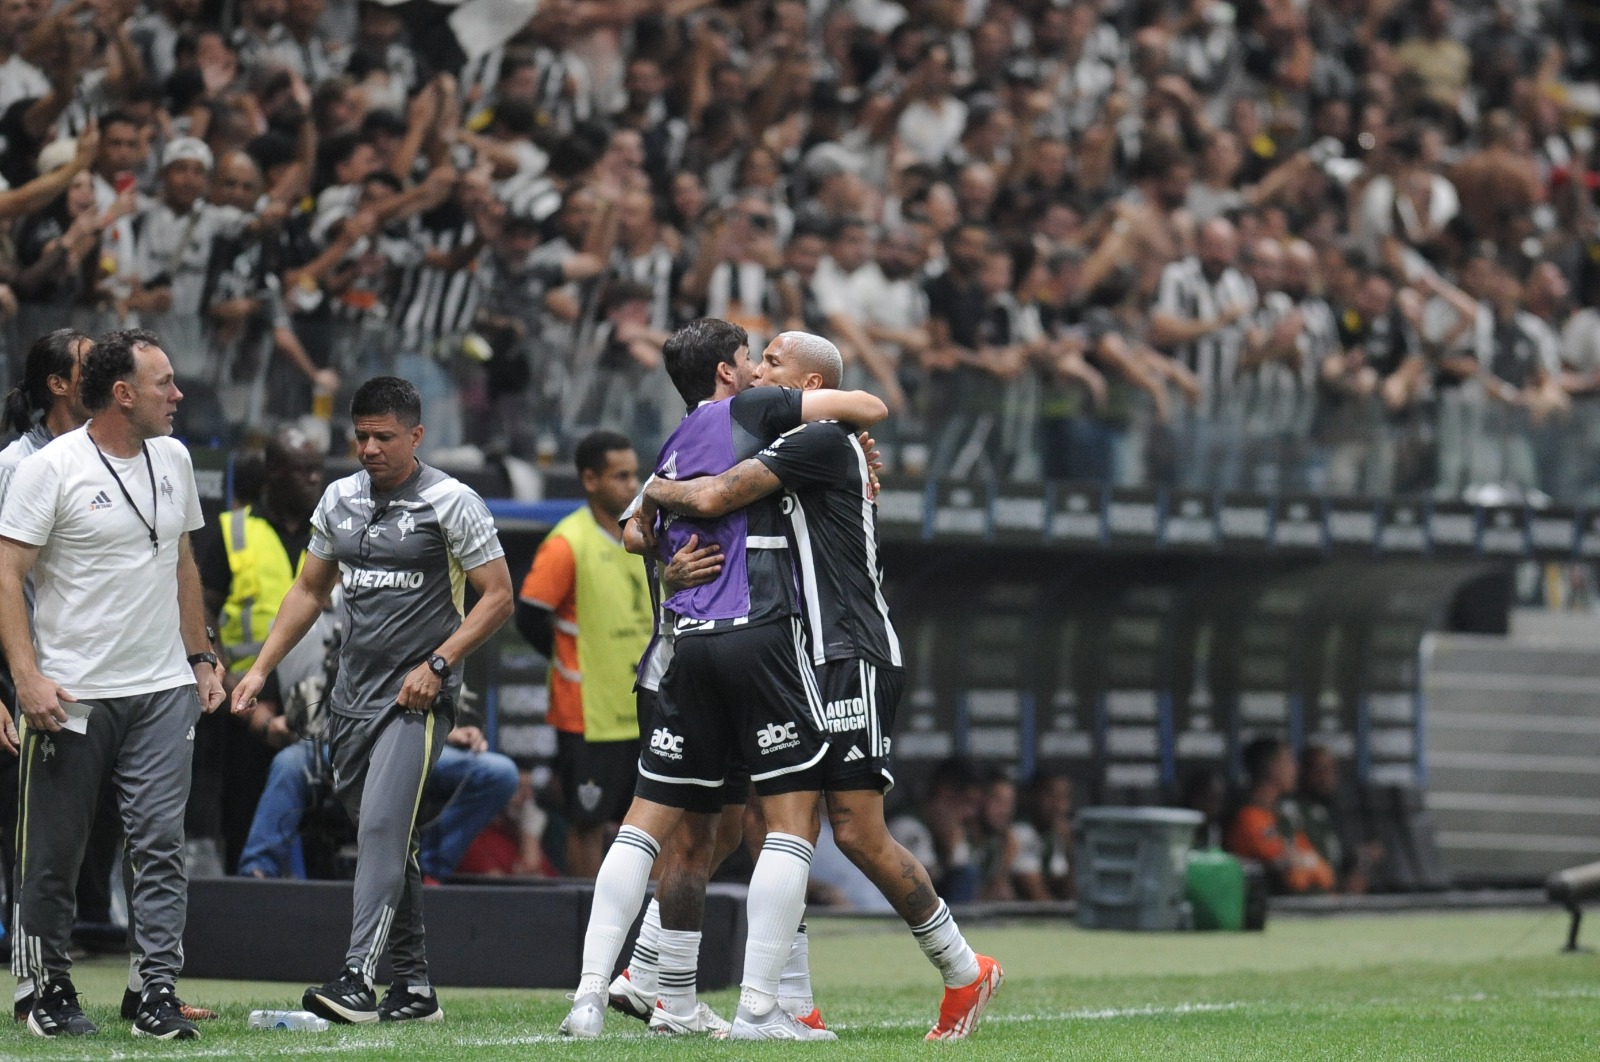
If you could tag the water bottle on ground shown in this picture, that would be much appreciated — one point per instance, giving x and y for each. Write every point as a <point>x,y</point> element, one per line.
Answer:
<point>302,1020</point>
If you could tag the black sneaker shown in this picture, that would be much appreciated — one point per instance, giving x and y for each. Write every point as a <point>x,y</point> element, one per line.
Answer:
<point>130,1008</point>
<point>160,1016</point>
<point>347,1000</point>
<point>56,1012</point>
<point>401,1003</point>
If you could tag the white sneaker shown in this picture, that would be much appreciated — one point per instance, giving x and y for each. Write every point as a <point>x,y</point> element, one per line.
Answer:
<point>586,1018</point>
<point>703,1020</point>
<point>774,1025</point>
<point>628,998</point>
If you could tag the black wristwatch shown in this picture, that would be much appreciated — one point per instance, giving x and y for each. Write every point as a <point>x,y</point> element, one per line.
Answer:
<point>207,657</point>
<point>439,666</point>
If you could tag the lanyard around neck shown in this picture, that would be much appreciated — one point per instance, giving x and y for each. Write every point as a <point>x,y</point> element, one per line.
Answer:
<point>149,525</point>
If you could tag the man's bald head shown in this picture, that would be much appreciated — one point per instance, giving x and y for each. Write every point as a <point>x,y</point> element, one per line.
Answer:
<point>1218,246</point>
<point>1299,268</point>
<point>237,182</point>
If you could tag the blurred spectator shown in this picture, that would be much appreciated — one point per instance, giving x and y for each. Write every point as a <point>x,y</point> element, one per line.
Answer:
<point>510,846</point>
<point>467,788</point>
<point>527,168</point>
<point>1317,810</point>
<point>1041,864</point>
<point>585,605</point>
<point>997,845</point>
<point>1261,831</point>
<point>941,834</point>
<point>1206,790</point>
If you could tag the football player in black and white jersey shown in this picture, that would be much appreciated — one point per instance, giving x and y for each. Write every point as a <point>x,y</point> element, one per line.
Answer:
<point>828,496</point>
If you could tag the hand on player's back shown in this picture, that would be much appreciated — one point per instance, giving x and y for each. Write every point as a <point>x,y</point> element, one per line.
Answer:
<point>691,566</point>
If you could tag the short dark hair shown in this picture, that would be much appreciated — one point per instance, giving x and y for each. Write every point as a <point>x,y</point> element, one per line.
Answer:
<point>515,116</point>
<point>594,449</point>
<point>337,150</point>
<point>50,355</point>
<point>956,773</point>
<point>383,395</point>
<point>693,352</point>
<point>382,122</point>
<point>110,360</point>
<point>119,117</point>
<point>1258,756</point>
<point>621,292</point>
<point>385,178</point>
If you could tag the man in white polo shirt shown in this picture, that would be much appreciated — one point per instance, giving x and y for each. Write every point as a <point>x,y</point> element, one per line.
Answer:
<point>115,676</point>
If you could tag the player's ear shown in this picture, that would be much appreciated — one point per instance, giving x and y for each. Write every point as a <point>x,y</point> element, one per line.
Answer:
<point>416,436</point>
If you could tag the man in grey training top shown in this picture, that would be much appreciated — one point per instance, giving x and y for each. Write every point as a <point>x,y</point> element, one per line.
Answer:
<point>406,535</point>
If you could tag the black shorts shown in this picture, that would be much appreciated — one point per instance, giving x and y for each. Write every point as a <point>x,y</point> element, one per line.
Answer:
<point>699,800</point>
<point>596,778</point>
<point>744,694</point>
<point>859,701</point>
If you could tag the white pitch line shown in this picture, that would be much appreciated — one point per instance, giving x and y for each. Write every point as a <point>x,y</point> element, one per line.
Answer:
<point>297,1045</point>
<point>1101,1014</point>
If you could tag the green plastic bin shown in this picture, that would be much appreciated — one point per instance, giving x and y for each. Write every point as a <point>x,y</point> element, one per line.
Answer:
<point>1215,889</point>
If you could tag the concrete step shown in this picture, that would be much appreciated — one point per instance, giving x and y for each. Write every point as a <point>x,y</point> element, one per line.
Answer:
<point>1480,654</point>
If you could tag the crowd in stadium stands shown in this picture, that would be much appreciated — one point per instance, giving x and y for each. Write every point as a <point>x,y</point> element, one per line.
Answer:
<point>1342,245</point>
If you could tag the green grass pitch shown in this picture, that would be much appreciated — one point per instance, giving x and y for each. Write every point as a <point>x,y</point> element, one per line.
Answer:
<point>1447,986</point>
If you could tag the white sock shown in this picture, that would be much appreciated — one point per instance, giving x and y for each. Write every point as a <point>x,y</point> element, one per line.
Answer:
<point>776,903</point>
<point>618,892</point>
<point>645,963</point>
<point>794,987</point>
<point>941,941</point>
<point>680,960</point>
<point>24,989</point>
<point>135,978</point>
<point>423,990</point>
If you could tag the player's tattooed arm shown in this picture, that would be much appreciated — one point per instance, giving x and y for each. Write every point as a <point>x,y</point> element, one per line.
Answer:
<point>853,407</point>
<point>712,496</point>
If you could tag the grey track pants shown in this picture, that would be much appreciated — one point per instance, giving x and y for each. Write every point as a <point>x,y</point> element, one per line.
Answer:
<point>145,743</point>
<point>379,767</point>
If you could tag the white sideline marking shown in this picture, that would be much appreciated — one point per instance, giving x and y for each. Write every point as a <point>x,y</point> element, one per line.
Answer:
<point>296,1045</point>
<point>1101,1014</point>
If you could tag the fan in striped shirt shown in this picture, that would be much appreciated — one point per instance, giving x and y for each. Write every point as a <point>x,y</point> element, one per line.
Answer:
<point>1202,310</point>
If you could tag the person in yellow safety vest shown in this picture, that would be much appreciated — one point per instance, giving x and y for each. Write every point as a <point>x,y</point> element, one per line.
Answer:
<point>251,560</point>
<point>585,605</point>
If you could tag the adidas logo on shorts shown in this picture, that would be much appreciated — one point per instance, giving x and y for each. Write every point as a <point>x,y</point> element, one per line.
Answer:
<point>854,754</point>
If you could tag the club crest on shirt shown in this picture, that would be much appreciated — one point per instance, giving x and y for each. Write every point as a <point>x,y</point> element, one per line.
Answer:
<point>589,796</point>
<point>166,488</point>
<point>406,524</point>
